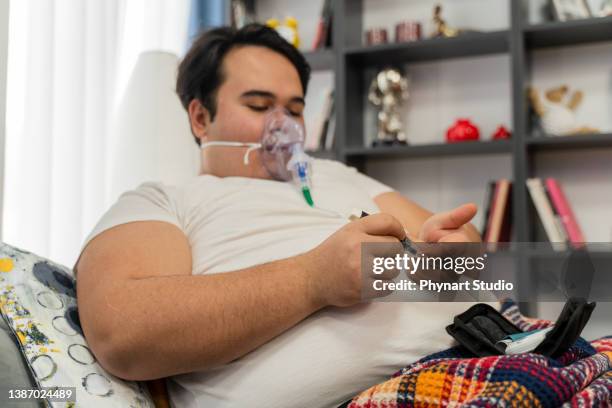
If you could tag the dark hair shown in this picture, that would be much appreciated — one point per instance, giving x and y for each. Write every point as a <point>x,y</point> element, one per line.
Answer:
<point>200,73</point>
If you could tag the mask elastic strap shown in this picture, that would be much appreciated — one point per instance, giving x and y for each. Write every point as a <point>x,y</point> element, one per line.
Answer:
<point>254,146</point>
<point>251,147</point>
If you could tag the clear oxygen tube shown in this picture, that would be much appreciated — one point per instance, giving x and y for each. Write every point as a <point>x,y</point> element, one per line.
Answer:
<point>300,167</point>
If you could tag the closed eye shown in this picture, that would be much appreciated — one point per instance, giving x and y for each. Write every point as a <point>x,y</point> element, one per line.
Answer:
<point>258,108</point>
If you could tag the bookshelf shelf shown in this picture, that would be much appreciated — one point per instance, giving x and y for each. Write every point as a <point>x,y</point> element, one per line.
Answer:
<point>433,150</point>
<point>566,33</point>
<point>466,45</point>
<point>546,143</point>
<point>321,60</point>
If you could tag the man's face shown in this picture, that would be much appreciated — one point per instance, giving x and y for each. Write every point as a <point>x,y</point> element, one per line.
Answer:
<point>255,81</point>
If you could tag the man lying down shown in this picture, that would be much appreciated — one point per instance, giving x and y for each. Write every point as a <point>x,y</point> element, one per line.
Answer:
<point>243,287</point>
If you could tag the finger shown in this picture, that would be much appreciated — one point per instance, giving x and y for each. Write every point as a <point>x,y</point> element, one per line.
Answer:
<point>442,235</point>
<point>455,218</point>
<point>382,224</point>
<point>455,236</point>
<point>413,238</point>
<point>435,235</point>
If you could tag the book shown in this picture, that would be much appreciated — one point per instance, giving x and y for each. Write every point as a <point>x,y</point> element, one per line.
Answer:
<point>487,206</point>
<point>563,208</point>
<point>494,194</point>
<point>329,114</point>
<point>545,212</point>
<point>323,32</point>
<point>316,120</point>
<point>499,225</point>
<point>506,226</point>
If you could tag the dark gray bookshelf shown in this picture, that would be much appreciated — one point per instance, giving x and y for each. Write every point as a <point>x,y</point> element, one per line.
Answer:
<point>432,49</point>
<point>587,141</point>
<point>323,59</point>
<point>432,150</point>
<point>352,61</point>
<point>518,42</point>
<point>575,32</point>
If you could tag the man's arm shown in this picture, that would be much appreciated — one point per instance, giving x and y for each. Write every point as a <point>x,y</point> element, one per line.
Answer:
<point>145,316</point>
<point>413,217</point>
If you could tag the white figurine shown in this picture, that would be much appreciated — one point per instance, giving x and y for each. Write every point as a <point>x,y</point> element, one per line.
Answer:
<point>387,91</point>
<point>557,111</point>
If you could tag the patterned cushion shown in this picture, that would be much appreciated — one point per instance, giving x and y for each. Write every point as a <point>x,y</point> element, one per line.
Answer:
<point>14,373</point>
<point>37,300</point>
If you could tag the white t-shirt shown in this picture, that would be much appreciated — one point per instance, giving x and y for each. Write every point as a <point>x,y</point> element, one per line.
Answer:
<point>236,222</point>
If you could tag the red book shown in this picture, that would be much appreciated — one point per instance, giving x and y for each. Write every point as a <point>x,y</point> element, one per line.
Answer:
<point>563,208</point>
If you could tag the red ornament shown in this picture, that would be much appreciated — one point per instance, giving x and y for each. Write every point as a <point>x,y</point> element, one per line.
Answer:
<point>501,133</point>
<point>461,131</point>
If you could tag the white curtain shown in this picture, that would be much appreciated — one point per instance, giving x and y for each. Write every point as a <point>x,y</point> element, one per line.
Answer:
<point>69,64</point>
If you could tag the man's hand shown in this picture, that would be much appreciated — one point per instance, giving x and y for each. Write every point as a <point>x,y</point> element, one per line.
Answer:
<point>334,267</point>
<point>423,225</point>
<point>450,226</point>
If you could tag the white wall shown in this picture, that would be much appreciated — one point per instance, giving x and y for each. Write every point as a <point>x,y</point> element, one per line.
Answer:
<point>4,16</point>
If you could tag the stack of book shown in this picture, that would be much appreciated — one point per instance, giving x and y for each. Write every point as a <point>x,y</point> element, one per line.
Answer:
<point>551,204</point>
<point>555,212</point>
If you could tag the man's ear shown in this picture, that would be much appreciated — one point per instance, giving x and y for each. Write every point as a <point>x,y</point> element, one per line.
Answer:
<point>199,119</point>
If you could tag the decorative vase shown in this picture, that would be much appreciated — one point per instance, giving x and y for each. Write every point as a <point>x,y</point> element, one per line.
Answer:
<point>462,131</point>
<point>501,133</point>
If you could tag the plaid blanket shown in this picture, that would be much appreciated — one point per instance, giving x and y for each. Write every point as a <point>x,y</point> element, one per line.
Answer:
<point>581,377</point>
